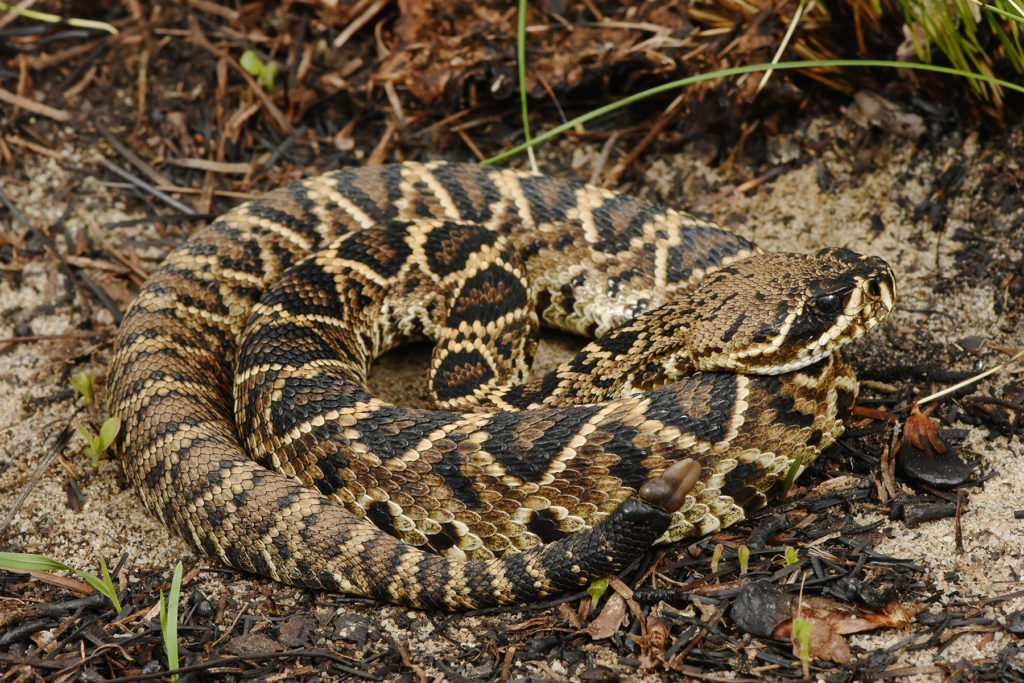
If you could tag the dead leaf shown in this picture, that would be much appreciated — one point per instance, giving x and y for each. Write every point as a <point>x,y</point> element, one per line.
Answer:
<point>870,109</point>
<point>613,615</point>
<point>825,642</point>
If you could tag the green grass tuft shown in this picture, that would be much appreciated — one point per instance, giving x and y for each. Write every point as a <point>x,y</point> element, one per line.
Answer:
<point>959,28</point>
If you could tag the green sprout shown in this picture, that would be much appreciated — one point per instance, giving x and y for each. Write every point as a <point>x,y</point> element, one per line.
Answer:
<point>264,72</point>
<point>791,555</point>
<point>802,636</point>
<point>28,562</point>
<point>100,442</point>
<point>596,589</point>
<point>716,557</point>
<point>169,620</point>
<point>744,554</point>
<point>85,384</point>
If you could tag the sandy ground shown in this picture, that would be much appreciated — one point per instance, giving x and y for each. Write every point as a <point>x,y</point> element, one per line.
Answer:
<point>877,182</point>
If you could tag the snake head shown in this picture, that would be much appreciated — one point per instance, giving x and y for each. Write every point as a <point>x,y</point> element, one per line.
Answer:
<point>778,312</point>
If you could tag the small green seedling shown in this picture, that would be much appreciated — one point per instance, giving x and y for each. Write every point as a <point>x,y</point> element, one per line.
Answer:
<point>744,555</point>
<point>802,636</point>
<point>265,72</point>
<point>28,562</point>
<point>791,555</point>
<point>85,384</point>
<point>169,620</point>
<point>716,557</point>
<point>101,442</point>
<point>596,589</point>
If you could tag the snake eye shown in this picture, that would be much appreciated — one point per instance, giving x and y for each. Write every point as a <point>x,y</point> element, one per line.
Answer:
<point>830,304</point>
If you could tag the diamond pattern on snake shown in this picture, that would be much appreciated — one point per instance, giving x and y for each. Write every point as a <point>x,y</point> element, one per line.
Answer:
<point>240,370</point>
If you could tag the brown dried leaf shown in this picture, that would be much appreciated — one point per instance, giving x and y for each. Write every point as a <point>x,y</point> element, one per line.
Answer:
<point>922,433</point>
<point>825,642</point>
<point>653,641</point>
<point>614,614</point>
<point>540,622</point>
<point>846,619</point>
<point>253,644</point>
<point>870,109</point>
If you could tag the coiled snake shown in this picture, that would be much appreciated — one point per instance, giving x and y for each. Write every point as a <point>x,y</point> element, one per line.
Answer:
<point>711,375</point>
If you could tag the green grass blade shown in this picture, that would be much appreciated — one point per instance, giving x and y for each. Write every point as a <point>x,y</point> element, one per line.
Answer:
<point>736,71</point>
<point>169,620</point>
<point>40,563</point>
<point>1013,16</point>
<point>1010,39</point>
<point>30,563</point>
<point>108,581</point>
<point>791,474</point>
<point>521,59</point>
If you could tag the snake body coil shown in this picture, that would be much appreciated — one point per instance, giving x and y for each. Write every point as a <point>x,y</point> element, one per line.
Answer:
<point>712,373</point>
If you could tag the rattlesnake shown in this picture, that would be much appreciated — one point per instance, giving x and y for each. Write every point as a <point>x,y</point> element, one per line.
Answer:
<point>342,491</point>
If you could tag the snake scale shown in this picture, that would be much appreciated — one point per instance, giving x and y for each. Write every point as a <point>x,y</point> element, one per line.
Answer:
<point>239,378</point>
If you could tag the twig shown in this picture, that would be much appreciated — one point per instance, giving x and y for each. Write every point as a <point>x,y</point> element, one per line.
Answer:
<point>971,380</point>
<point>277,150</point>
<point>78,334</point>
<point>784,44</point>
<point>602,158</point>
<point>101,295</point>
<point>613,176</point>
<point>358,23</point>
<point>34,107</point>
<point>11,16</point>
<point>143,185</point>
<point>469,143</point>
<point>58,445</point>
<point>240,167</point>
<point>225,13</point>
<point>134,159</point>
<point>396,103</point>
<point>268,104</point>
<point>234,194</point>
<point>50,60</point>
<point>35,147</point>
<point>380,150</point>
